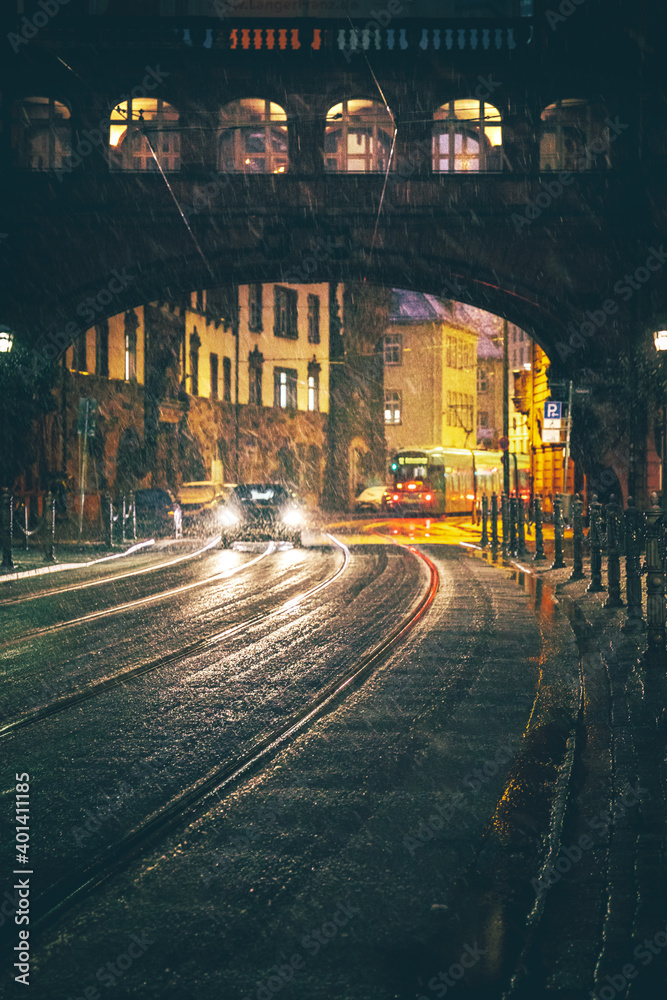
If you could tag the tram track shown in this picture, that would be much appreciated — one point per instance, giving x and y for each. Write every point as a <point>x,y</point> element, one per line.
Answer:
<point>88,584</point>
<point>138,602</point>
<point>184,652</point>
<point>195,799</point>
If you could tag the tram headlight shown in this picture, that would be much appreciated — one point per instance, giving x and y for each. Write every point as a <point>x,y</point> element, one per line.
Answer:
<point>428,497</point>
<point>229,518</point>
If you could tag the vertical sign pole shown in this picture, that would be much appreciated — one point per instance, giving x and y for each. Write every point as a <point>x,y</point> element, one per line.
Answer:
<point>84,463</point>
<point>567,440</point>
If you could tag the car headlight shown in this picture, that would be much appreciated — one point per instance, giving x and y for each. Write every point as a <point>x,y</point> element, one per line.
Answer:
<point>229,518</point>
<point>292,518</point>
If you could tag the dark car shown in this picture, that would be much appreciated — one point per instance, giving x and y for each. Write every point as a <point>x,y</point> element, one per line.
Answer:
<point>157,514</point>
<point>261,511</point>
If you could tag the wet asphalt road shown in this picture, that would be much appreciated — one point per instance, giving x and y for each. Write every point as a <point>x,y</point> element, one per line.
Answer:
<point>395,836</point>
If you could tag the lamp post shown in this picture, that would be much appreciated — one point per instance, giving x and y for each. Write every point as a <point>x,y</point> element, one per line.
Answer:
<point>660,341</point>
<point>6,344</point>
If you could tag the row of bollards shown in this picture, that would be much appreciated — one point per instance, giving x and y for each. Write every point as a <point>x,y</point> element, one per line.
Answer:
<point>124,511</point>
<point>613,533</point>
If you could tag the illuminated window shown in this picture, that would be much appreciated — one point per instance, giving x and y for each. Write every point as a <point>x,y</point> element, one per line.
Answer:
<point>467,136</point>
<point>314,385</point>
<point>255,320</point>
<point>393,349</point>
<point>358,137</point>
<point>284,388</point>
<point>141,127</point>
<point>574,137</point>
<point>131,325</point>
<point>41,133</point>
<point>393,409</point>
<point>253,137</point>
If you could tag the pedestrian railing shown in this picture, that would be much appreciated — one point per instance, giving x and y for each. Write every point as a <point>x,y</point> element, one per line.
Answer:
<point>614,534</point>
<point>119,519</point>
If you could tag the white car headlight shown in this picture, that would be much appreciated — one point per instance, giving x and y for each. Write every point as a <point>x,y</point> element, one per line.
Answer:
<point>292,518</point>
<point>229,518</point>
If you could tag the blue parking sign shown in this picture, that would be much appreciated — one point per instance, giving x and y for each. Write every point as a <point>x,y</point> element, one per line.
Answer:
<point>552,410</point>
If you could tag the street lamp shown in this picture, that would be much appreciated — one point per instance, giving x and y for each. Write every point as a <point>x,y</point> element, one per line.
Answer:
<point>6,339</point>
<point>660,341</point>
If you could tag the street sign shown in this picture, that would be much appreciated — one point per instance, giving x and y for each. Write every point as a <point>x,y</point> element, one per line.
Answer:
<point>551,435</point>
<point>552,410</point>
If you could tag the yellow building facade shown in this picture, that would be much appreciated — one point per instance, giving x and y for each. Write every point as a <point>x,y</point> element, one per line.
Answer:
<point>430,376</point>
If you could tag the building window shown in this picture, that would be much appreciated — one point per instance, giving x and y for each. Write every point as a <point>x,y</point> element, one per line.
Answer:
<point>285,313</point>
<point>79,354</point>
<point>467,136</point>
<point>102,349</point>
<point>214,376</point>
<point>393,349</point>
<point>253,137</point>
<point>200,301</point>
<point>41,133</point>
<point>141,127</point>
<point>195,344</point>
<point>313,319</point>
<point>358,137</point>
<point>255,324</point>
<point>314,385</point>
<point>227,380</point>
<point>574,137</point>
<point>284,388</point>
<point>482,380</point>
<point>482,420</point>
<point>131,324</point>
<point>255,364</point>
<point>393,410</point>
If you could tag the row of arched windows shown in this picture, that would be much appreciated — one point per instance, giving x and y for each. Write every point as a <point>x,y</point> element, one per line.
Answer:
<point>466,135</point>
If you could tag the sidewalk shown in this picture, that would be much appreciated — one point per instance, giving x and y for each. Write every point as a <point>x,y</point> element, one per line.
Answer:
<point>620,887</point>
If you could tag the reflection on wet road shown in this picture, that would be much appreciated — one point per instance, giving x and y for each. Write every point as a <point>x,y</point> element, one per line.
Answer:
<point>392,845</point>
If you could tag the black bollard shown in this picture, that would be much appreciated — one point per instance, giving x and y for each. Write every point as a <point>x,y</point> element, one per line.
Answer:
<point>6,528</point>
<point>485,514</point>
<point>614,543</point>
<point>26,523</point>
<point>513,532</point>
<point>494,524</point>
<point>107,519</point>
<point>505,511</point>
<point>634,537</point>
<point>539,534</point>
<point>133,504</point>
<point>655,579</point>
<point>559,528</point>
<point>50,513</point>
<point>577,539</point>
<point>521,551</point>
<point>595,542</point>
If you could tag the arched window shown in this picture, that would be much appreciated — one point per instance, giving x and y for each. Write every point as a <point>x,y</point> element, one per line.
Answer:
<point>253,139</point>
<point>42,133</point>
<point>467,135</point>
<point>574,136</point>
<point>137,125</point>
<point>358,138</point>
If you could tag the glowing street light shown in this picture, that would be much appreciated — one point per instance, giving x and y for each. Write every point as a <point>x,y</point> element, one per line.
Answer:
<point>660,340</point>
<point>6,340</point>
